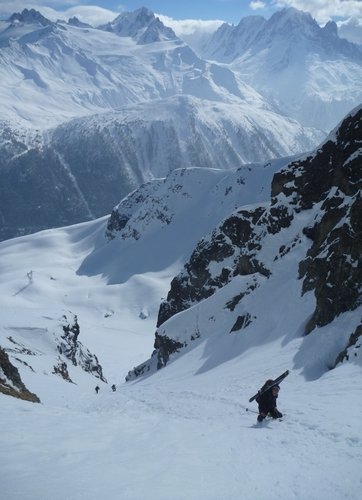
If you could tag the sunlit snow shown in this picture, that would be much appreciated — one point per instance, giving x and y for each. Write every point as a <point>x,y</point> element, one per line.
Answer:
<point>186,432</point>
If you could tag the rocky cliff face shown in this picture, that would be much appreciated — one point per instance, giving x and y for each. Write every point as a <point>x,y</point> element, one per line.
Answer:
<point>316,200</point>
<point>10,380</point>
<point>331,179</point>
<point>222,253</point>
<point>71,348</point>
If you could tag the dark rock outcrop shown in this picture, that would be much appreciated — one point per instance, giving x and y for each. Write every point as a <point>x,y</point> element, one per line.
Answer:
<point>61,369</point>
<point>332,179</point>
<point>241,322</point>
<point>332,267</point>
<point>71,348</point>
<point>30,16</point>
<point>353,348</point>
<point>164,347</point>
<point>236,241</point>
<point>10,380</point>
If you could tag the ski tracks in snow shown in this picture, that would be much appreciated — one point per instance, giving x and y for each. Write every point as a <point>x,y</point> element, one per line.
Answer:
<point>306,440</point>
<point>310,427</point>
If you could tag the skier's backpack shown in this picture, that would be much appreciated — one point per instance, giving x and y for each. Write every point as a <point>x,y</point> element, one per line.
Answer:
<point>268,382</point>
<point>273,382</point>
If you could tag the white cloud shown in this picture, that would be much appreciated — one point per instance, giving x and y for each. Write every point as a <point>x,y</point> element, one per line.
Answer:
<point>90,14</point>
<point>10,6</point>
<point>194,32</point>
<point>256,5</point>
<point>351,29</point>
<point>325,10</point>
<point>190,26</point>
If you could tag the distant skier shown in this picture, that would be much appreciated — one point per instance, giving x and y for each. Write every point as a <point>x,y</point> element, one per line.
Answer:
<point>114,388</point>
<point>97,389</point>
<point>267,401</point>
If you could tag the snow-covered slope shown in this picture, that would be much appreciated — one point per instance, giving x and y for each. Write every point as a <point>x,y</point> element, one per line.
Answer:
<point>187,424</point>
<point>252,257</point>
<point>308,239</point>
<point>51,72</point>
<point>228,42</point>
<point>152,139</point>
<point>307,71</point>
<point>155,240</point>
<point>159,224</point>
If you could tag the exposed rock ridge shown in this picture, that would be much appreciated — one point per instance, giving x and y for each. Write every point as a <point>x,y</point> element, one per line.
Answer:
<point>10,380</point>
<point>70,347</point>
<point>331,178</point>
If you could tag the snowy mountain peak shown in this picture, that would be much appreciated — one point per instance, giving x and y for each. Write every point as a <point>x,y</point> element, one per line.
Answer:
<point>29,17</point>
<point>251,23</point>
<point>129,23</point>
<point>293,26</point>
<point>308,71</point>
<point>292,18</point>
<point>254,35</point>
<point>142,25</point>
<point>157,32</point>
<point>74,21</point>
<point>331,28</point>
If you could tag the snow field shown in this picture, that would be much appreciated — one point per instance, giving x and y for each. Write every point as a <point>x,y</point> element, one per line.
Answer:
<point>187,437</point>
<point>184,432</point>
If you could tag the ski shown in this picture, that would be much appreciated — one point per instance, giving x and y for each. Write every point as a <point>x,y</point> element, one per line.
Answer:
<point>276,382</point>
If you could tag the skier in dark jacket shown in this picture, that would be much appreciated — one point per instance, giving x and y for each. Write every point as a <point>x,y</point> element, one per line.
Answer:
<point>268,402</point>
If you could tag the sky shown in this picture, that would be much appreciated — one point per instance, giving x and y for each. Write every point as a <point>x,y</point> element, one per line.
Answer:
<point>227,10</point>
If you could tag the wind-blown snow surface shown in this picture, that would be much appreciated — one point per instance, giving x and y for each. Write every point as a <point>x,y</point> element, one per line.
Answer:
<point>185,432</point>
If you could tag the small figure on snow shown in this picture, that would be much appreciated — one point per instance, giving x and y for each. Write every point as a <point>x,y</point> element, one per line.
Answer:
<point>113,387</point>
<point>97,389</point>
<point>267,401</point>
